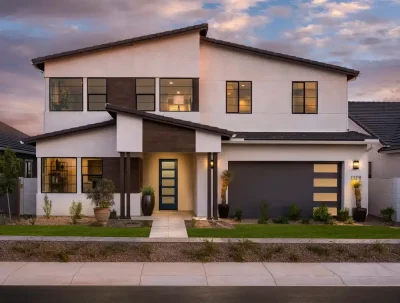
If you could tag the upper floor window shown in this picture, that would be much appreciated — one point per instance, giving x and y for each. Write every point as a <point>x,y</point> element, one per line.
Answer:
<point>238,97</point>
<point>176,95</point>
<point>97,94</point>
<point>145,94</point>
<point>92,169</point>
<point>66,94</point>
<point>305,97</point>
<point>58,175</point>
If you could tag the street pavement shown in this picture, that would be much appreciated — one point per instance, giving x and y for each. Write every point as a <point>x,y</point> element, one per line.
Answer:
<point>199,274</point>
<point>151,294</point>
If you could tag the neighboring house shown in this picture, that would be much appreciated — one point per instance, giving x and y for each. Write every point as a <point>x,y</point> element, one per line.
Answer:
<point>175,109</point>
<point>12,138</point>
<point>381,120</point>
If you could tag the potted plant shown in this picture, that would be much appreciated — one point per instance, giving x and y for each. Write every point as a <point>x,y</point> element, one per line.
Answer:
<point>359,213</point>
<point>223,208</point>
<point>147,201</point>
<point>102,196</point>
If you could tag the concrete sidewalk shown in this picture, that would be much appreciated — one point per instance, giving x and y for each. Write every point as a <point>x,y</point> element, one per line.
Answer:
<point>201,274</point>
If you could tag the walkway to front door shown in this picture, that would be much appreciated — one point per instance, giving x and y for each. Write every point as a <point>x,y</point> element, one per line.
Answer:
<point>169,224</point>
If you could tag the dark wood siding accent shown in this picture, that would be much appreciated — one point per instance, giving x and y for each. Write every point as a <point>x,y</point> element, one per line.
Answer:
<point>111,170</point>
<point>160,137</point>
<point>122,92</point>
<point>195,103</point>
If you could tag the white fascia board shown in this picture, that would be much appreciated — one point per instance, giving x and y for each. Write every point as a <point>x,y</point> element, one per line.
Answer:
<point>292,142</point>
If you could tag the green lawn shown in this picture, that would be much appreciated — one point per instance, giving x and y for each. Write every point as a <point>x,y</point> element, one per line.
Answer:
<point>298,231</point>
<point>74,230</point>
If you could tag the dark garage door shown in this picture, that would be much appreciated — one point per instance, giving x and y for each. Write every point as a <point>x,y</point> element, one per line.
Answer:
<point>277,183</point>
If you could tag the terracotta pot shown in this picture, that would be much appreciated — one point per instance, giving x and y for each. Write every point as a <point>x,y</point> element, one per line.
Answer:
<point>102,215</point>
<point>147,204</point>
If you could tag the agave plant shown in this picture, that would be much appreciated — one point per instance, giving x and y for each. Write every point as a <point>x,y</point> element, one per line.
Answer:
<point>227,178</point>
<point>357,191</point>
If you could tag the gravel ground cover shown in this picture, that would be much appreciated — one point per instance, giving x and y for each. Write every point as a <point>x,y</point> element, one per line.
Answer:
<point>244,251</point>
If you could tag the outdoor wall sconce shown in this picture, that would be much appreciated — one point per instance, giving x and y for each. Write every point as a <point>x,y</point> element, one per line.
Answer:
<point>212,163</point>
<point>356,164</point>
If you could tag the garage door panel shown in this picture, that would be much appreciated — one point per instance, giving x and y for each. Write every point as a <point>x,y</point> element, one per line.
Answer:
<point>277,183</point>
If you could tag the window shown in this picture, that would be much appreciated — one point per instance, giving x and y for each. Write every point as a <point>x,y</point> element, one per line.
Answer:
<point>97,94</point>
<point>66,94</point>
<point>58,175</point>
<point>176,95</point>
<point>369,170</point>
<point>145,94</point>
<point>28,168</point>
<point>238,97</point>
<point>92,169</point>
<point>305,97</point>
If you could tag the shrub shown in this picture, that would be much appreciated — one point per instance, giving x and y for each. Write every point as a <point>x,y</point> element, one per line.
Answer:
<point>294,257</point>
<point>102,195</point>
<point>113,214</point>
<point>343,215</point>
<point>378,247</point>
<point>321,213</point>
<point>319,250</point>
<point>32,220</point>
<point>3,220</point>
<point>47,206</point>
<point>305,221</point>
<point>75,211</point>
<point>330,221</point>
<point>294,212</point>
<point>387,214</point>
<point>281,220</point>
<point>349,221</point>
<point>63,256</point>
<point>238,215</point>
<point>147,190</point>
<point>263,213</point>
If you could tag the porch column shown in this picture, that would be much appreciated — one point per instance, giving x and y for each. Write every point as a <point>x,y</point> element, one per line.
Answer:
<point>215,186</point>
<point>128,185</point>
<point>122,184</point>
<point>209,186</point>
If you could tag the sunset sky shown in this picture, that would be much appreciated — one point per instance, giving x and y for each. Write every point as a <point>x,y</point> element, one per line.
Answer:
<point>364,35</point>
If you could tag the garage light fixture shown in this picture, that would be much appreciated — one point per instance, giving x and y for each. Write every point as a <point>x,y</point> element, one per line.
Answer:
<point>212,163</point>
<point>356,164</point>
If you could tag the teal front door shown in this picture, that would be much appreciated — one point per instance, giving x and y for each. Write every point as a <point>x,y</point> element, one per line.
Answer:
<point>168,180</point>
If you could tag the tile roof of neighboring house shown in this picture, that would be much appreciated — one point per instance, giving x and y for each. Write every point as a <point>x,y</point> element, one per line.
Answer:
<point>32,140</point>
<point>351,73</point>
<point>203,28</point>
<point>112,109</point>
<point>11,137</point>
<point>380,119</point>
<point>303,136</point>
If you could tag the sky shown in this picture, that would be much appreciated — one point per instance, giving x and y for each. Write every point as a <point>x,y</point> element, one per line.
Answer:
<point>362,34</point>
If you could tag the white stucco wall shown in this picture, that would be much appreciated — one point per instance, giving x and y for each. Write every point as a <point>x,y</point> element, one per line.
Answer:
<point>200,185</point>
<point>129,133</point>
<point>207,142</point>
<point>271,93</point>
<point>384,193</point>
<point>313,153</point>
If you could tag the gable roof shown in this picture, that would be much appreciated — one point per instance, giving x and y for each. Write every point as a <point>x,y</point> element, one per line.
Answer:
<point>304,136</point>
<point>203,28</point>
<point>114,109</point>
<point>11,137</point>
<point>380,119</point>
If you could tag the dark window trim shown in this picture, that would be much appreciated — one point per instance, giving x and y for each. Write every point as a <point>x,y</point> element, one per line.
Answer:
<point>102,169</point>
<point>251,97</point>
<point>159,94</point>
<point>88,94</point>
<point>136,94</point>
<point>26,168</point>
<point>50,110</point>
<point>304,99</point>
<point>369,170</point>
<point>41,175</point>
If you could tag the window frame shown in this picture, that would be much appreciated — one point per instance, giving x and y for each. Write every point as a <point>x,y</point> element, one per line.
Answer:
<point>89,94</point>
<point>369,170</point>
<point>60,111</point>
<point>251,97</point>
<point>304,98</point>
<point>102,169</point>
<point>41,175</point>
<point>155,93</point>
<point>26,161</point>
<point>159,94</point>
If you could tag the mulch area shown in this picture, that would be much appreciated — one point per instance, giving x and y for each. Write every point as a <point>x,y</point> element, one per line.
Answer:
<point>245,251</point>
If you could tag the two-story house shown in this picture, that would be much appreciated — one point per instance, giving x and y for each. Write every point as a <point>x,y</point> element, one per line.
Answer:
<point>175,109</point>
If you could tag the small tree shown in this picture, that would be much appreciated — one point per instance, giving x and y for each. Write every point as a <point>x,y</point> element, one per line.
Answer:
<point>227,178</point>
<point>47,206</point>
<point>10,168</point>
<point>102,194</point>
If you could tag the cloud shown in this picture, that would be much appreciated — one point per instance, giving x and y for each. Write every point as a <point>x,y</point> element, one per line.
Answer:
<point>306,31</point>
<point>282,11</point>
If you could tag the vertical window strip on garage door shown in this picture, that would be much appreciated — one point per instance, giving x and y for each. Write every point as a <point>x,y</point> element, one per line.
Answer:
<point>326,186</point>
